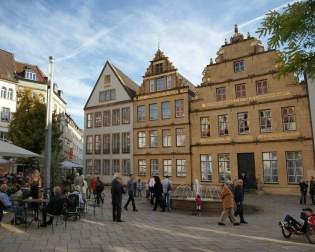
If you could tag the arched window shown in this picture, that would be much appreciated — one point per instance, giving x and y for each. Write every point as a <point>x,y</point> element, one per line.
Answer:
<point>3,92</point>
<point>10,93</point>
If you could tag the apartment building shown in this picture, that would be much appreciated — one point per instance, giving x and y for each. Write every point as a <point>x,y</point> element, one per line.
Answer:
<point>161,123</point>
<point>247,121</point>
<point>108,131</point>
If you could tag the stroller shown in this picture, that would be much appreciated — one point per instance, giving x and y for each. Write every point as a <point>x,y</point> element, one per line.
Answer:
<point>291,226</point>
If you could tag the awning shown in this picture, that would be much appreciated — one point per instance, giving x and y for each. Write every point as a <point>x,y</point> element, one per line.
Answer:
<point>69,165</point>
<point>11,150</point>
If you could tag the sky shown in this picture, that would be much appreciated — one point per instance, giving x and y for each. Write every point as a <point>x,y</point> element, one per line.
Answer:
<point>82,35</point>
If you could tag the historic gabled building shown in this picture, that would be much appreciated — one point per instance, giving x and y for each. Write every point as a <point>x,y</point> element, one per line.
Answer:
<point>161,123</point>
<point>108,124</point>
<point>248,121</point>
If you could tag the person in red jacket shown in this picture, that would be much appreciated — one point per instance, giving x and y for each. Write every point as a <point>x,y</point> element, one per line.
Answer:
<point>198,204</point>
<point>93,185</point>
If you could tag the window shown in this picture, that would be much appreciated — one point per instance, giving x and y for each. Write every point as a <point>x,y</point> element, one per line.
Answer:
<point>106,144</point>
<point>10,94</point>
<point>169,82</point>
<point>220,94</point>
<point>270,167</point>
<point>206,167</point>
<point>153,111</point>
<point>166,110</point>
<point>159,68</point>
<point>125,139</point>
<point>106,167</point>
<point>154,167</point>
<point>116,166</point>
<point>125,167</point>
<point>125,115</point>
<point>151,86</point>
<point>294,166</point>
<point>288,118</point>
<point>238,66</point>
<point>116,143</point>
<point>204,126</point>
<point>243,123</point>
<point>97,149</point>
<point>30,75</point>
<point>98,119</point>
<point>224,167</point>
<point>167,167</point>
<point>5,114</point>
<point>160,84</point>
<point>116,117</point>
<point>261,87</point>
<point>265,120</point>
<point>107,79</point>
<point>167,138</point>
<point>153,138</point>
<point>180,137</point>
<point>179,108</point>
<point>107,95</point>
<point>240,90</point>
<point>141,113</point>
<point>97,167</point>
<point>89,166</point>
<point>223,125</point>
<point>106,118</point>
<point>89,145</point>
<point>89,120</point>
<point>181,168</point>
<point>141,139</point>
<point>142,167</point>
<point>4,92</point>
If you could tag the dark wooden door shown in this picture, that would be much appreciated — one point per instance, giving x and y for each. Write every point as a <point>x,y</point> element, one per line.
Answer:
<point>246,166</point>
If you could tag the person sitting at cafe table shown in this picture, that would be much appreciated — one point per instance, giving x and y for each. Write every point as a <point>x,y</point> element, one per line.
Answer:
<point>77,191</point>
<point>54,207</point>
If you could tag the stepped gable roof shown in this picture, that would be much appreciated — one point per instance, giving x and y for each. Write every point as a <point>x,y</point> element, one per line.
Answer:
<point>130,86</point>
<point>21,67</point>
<point>7,65</point>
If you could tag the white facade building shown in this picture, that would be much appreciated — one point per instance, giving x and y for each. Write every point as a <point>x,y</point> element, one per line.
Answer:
<point>109,125</point>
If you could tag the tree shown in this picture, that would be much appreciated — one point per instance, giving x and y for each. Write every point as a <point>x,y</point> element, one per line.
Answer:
<point>28,129</point>
<point>294,30</point>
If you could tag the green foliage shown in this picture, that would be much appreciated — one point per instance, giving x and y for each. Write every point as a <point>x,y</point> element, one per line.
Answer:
<point>294,30</point>
<point>28,129</point>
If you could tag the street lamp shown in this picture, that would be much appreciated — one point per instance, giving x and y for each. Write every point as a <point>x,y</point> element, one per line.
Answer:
<point>50,90</point>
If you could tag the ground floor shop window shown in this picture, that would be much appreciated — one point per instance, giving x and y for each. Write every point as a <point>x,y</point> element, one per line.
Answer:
<point>206,167</point>
<point>142,167</point>
<point>154,167</point>
<point>294,166</point>
<point>181,168</point>
<point>224,167</point>
<point>167,167</point>
<point>270,167</point>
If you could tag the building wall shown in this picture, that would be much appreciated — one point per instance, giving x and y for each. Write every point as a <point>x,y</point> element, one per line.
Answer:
<point>6,102</point>
<point>311,95</point>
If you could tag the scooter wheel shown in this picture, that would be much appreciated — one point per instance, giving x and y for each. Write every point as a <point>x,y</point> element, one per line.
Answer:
<point>310,233</point>
<point>286,234</point>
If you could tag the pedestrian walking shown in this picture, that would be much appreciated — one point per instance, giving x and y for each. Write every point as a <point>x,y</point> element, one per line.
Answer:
<point>158,194</point>
<point>151,189</point>
<point>167,187</point>
<point>312,189</point>
<point>239,198</point>
<point>228,205</point>
<point>198,203</point>
<point>117,190</point>
<point>303,191</point>
<point>131,193</point>
<point>99,190</point>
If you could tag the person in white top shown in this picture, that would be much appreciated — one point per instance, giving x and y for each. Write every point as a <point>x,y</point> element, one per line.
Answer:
<point>84,187</point>
<point>151,187</point>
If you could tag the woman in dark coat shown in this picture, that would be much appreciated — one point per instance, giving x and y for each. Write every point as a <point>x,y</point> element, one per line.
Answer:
<point>158,192</point>
<point>239,198</point>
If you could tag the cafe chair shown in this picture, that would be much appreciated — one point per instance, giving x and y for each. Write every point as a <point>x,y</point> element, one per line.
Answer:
<point>72,208</point>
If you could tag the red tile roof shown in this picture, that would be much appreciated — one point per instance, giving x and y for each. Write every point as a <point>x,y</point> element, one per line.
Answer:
<point>21,67</point>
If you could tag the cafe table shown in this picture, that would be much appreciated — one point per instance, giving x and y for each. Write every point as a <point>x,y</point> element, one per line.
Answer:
<point>34,205</point>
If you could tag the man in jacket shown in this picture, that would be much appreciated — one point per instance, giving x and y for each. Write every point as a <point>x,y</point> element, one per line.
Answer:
<point>239,198</point>
<point>303,191</point>
<point>228,205</point>
<point>117,190</point>
<point>131,193</point>
<point>167,187</point>
<point>312,189</point>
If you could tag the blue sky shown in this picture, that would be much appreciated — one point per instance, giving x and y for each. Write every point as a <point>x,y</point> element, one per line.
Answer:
<point>82,35</point>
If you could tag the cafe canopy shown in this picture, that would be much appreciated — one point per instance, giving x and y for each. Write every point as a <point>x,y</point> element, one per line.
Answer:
<point>11,150</point>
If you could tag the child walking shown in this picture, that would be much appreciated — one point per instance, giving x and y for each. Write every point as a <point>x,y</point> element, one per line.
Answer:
<point>198,205</point>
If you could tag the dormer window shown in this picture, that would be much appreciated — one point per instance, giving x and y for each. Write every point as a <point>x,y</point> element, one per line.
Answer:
<point>159,68</point>
<point>238,66</point>
<point>30,75</point>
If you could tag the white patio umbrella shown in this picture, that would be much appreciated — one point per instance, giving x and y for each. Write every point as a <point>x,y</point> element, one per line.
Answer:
<point>11,150</point>
<point>69,165</point>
